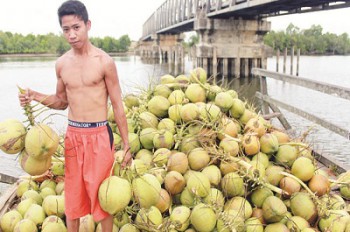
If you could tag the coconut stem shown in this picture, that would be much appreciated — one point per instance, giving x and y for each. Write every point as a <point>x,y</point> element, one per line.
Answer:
<point>249,167</point>
<point>295,144</point>
<point>28,109</point>
<point>301,183</point>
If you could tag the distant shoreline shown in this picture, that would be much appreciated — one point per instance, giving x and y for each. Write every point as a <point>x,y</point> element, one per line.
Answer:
<point>57,55</point>
<point>30,55</point>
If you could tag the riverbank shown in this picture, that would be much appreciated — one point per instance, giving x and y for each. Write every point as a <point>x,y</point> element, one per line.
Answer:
<point>58,55</point>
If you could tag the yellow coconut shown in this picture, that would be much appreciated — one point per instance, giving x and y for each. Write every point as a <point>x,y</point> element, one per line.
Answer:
<point>198,158</point>
<point>24,205</point>
<point>54,226</point>
<point>12,134</point>
<point>174,182</point>
<point>203,218</point>
<point>47,192</point>
<point>213,91</point>
<point>273,209</point>
<point>215,198</point>
<point>198,75</point>
<point>209,112</point>
<point>158,105</point>
<point>9,220</point>
<point>241,205</point>
<point>164,201</point>
<point>230,146</point>
<point>167,79</point>
<point>230,220</point>
<point>259,195</point>
<point>162,90</point>
<point>35,213</point>
<point>147,119</point>
<point>163,139</point>
<point>32,165</point>
<point>54,205</point>
<point>179,162</point>
<point>224,100</point>
<point>199,184</point>
<point>227,127</point>
<point>250,144</point>
<point>146,137</point>
<point>188,143</point>
<point>286,155</point>
<point>129,228</point>
<point>161,156</point>
<point>273,174</point>
<point>148,219</point>
<point>41,141</point>
<point>268,143</point>
<point>195,93</point>
<point>34,195</point>
<point>114,194</point>
<point>232,185</point>
<point>25,185</point>
<point>176,97</point>
<point>246,116</point>
<point>253,224</point>
<point>174,113</point>
<point>256,125</point>
<point>187,198</point>
<point>303,168</point>
<point>87,224</point>
<point>180,217</point>
<point>99,228</point>
<point>213,173</point>
<point>189,112</point>
<point>146,190</point>
<point>167,124</point>
<point>25,225</point>
<point>131,100</point>
<point>121,218</point>
<point>302,205</point>
<point>237,109</point>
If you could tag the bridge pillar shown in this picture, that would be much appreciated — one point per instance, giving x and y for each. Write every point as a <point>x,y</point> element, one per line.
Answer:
<point>164,47</point>
<point>231,47</point>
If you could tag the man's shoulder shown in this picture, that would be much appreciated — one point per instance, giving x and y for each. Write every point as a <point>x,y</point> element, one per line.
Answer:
<point>104,56</point>
<point>64,57</point>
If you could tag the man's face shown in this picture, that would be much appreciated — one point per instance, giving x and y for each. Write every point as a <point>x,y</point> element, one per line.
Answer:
<point>75,30</point>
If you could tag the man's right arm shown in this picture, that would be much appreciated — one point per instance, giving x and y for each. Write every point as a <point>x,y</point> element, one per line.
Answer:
<point>55,101</point>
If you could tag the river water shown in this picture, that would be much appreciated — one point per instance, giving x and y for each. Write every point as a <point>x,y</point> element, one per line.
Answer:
<point>135,75</point>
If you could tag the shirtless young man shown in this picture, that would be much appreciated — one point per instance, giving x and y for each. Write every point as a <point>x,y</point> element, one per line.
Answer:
<point>86,77</point>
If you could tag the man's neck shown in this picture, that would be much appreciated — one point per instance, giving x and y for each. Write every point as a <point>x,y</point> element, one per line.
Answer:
<point>85,50</point>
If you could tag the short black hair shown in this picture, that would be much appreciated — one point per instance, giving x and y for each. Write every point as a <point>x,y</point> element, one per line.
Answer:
<point>73,7</point>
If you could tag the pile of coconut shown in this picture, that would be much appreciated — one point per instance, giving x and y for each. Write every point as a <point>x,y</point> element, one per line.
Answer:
<point>204,161</point>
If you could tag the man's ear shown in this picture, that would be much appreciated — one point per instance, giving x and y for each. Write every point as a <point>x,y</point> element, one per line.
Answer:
<point>88,24</point>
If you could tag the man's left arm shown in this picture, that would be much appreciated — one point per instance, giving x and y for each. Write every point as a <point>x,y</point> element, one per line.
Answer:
<point>115,95</point>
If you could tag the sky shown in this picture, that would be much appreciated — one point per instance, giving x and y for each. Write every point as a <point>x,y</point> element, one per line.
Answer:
<point>116,18</point>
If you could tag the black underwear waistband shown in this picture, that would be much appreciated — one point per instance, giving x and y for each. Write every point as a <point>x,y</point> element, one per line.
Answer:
<point>87,124</point>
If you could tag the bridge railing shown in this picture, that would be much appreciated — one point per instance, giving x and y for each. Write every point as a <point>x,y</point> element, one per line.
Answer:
<point>269,102</point>
<point>174,12</point>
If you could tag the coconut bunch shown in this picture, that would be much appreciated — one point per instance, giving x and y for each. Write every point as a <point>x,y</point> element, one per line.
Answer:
<point>36,143</point>
<point>205,161</point>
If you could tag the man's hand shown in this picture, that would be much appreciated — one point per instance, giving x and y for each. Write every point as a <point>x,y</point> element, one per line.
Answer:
<point>25,97</point>
<point>127,158</point>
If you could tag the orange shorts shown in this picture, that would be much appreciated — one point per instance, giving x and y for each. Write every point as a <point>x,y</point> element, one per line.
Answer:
<point>88,161</point>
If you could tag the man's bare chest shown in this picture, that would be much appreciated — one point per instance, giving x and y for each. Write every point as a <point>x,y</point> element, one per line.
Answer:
<point>79,76</point>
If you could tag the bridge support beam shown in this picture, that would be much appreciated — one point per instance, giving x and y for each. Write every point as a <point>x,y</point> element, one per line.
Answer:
<point>164,48</point>
<point>231,47</point>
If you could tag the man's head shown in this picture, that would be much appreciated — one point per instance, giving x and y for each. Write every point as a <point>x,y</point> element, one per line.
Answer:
<point>73,7</point>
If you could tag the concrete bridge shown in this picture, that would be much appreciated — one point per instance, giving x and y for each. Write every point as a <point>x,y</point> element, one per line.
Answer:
<point>230,32</point>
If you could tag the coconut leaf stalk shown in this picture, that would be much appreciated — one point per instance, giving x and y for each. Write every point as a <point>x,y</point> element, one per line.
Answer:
<point>28,109</point>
